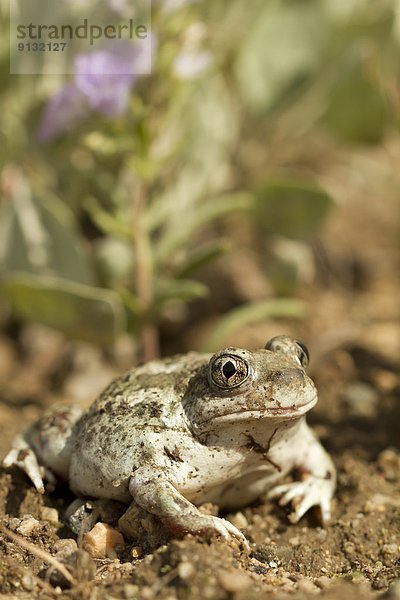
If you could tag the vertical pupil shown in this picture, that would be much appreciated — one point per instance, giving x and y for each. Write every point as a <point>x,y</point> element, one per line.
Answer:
<point>229,369</point>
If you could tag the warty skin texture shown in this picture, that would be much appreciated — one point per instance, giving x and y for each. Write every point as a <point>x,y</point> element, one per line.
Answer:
<point>176,433</point>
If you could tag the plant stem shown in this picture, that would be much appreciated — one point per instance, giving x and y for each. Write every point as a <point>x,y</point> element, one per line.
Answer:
<point>144,274</point>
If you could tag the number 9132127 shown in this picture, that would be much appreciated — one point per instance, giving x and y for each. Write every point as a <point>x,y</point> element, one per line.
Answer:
<point>42,46</point>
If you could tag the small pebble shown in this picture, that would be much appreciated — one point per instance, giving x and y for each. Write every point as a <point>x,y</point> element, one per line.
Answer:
<point>65,547</point>
<point>389,463</point>
<point>136,552</point>
<point>385,380</point>
<point>273,564</point>
<point>323,582</point>
<point>146,593</point>
<point>28,582</point>
<point>239,520</point>
<point>185,570</point>
<point>361,399</point>
<point>376,503</point>
<point>49,514</point>
<point>28,525</point>
<point>234,581</point>
<point>13,523</point>
<point>390,548</point>
<point>131,590</point>
<point>307,586</point>
<point>101,541</point>
<point>295,541</point>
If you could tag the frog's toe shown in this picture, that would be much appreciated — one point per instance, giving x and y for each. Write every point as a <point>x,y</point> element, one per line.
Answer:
<point>325,507</point>
<point>295,490</point>
<point>280,491</point>
<point>303,495</point>
<point>228,531</point>
<point>234,532</point>
<point>311,497</point>
<point>23,457</point>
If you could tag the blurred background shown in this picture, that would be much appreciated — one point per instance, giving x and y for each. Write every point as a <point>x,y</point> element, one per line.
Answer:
<point>248,187</point>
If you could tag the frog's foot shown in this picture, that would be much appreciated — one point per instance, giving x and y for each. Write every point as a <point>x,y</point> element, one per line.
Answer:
<point>22,456</point>
<point>159,497</point>
<point>312,491</point>
<point>207,526</point>
<point>222,527</point>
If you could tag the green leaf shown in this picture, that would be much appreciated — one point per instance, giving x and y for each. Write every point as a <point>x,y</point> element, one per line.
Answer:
<point>252,313</point>
<point>183,290</point>
<point>292,209</point>
<point>80,311</point>
<point>202,257</point>
<point>202,125</point>
<point>357,109</point>
<point>106,221</point>
<point>283,46</point>
<point>41,238</point>
<point>208,212</point>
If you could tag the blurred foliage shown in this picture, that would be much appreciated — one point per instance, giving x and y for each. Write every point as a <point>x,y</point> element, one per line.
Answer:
<point>106,227</point>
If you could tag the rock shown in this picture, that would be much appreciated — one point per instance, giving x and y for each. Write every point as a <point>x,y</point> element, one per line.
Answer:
<point>234,581</point>
<point>295,541</point>
<point>136,552</point>
<point>28,525</point>
<point>49,514</point>
<point>101,541</point>
<point>307,587</point>
<point>131,590</point>
<point>390,549</point>
<point>323,582</point>
<point>185,570</point>
<point>361,400</point>
<point>389,463</point>
<point>140,526</point>
<point>28,582</point>
<point>376,503</point>
<point>64,548</point>
<point>386,380</point>
<point>238,520</point>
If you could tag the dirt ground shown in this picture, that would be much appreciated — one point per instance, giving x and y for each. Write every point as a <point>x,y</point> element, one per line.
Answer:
<point>353,331</point>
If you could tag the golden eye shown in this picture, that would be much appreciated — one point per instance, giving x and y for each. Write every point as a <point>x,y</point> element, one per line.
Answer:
<point>228,371</point>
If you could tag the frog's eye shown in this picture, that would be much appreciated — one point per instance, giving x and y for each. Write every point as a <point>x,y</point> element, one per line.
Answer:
<point>290,347</point>
<point>228,371</point>
<point>303,354</point>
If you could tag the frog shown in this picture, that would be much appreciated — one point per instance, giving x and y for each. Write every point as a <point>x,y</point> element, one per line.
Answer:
<point>176,433</point>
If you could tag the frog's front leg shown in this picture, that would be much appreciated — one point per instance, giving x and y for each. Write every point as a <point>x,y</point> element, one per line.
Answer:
<point>157,495</point>
<point>318,477</point>
<point>45,447</point>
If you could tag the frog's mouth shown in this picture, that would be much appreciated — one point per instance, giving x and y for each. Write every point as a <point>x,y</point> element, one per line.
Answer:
<point>272,412</point>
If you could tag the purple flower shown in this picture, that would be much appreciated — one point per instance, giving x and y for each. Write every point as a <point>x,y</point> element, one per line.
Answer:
<point>64,109</point>
<point>102,83</point>
<point>106,80</point>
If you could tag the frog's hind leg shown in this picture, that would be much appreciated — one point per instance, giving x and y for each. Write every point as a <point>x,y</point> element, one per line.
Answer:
<point>45,447</point>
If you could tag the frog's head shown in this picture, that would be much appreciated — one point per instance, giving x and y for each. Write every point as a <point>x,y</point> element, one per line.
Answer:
<point>240,385</point>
